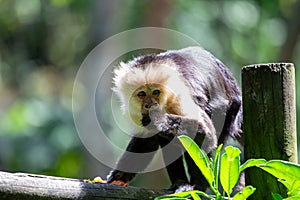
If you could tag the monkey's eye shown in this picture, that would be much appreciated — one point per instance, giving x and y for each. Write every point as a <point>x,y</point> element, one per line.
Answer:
<point>141,94</point>
<point>156,92</point>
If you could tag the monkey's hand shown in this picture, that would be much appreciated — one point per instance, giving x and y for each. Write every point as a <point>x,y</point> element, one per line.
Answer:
<point>159,120</point>
<point>119,178</point>
<point>201,130</point>
<point>184,125</point>
<point>170,124</point>
<point>181,125</point>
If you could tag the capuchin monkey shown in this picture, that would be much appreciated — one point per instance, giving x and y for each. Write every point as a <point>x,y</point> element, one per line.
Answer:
<point>178,92</point>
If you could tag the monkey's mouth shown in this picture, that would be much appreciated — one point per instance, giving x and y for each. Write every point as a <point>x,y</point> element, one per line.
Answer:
<point>146,119</point>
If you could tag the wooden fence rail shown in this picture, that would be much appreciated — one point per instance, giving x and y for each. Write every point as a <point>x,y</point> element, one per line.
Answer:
<point>14,186</point>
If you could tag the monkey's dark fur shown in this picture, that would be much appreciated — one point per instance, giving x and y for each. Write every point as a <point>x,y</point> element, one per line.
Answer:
<point>202,93</point>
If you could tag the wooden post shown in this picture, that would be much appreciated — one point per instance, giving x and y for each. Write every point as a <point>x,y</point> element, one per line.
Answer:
<point>269,121</point>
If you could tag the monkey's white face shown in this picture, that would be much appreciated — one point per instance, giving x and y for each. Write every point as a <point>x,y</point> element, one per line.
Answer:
<point>143,99</point>
<point>160,83</point>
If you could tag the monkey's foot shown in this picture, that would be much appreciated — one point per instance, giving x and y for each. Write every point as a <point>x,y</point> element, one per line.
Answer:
<point>119,177</point>
<point>180,186</point>
<point>119,182</point>
<point>183,188</point>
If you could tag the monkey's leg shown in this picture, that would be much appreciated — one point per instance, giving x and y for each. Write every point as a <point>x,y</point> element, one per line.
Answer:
<point>230,128</point>
<point>234,130</point>
<point>196,177</point>
<point>133,160</point>
<point>175,169</point>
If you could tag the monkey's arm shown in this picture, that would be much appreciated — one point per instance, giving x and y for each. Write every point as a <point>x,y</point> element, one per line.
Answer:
<point>181,125</point>
<point>136,158</point>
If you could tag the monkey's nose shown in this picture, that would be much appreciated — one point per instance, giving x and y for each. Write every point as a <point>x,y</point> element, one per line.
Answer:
<point>148,106</point>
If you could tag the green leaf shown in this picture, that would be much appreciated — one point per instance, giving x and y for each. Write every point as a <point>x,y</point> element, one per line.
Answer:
<point>170,198</point>
<point>277,197</point>
<point>297,197</point>
<point>230,165</point>
<point>173,197</point>
<point>293,189</point>
<point>245,193</point>
<point>216,165</point>
<point>182,194</point>
<point>293,198</point>
<point>200,193</point>
<point>252,163</point>
<point>199,157</point>
<point>288,173</point>
<point>195,194</point>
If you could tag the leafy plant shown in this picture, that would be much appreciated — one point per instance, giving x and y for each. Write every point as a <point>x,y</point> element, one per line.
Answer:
<point>287,173</point>
<point>227,168</point>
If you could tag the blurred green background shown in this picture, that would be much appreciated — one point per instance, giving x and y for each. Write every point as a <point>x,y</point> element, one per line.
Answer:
<point>44,42</point>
